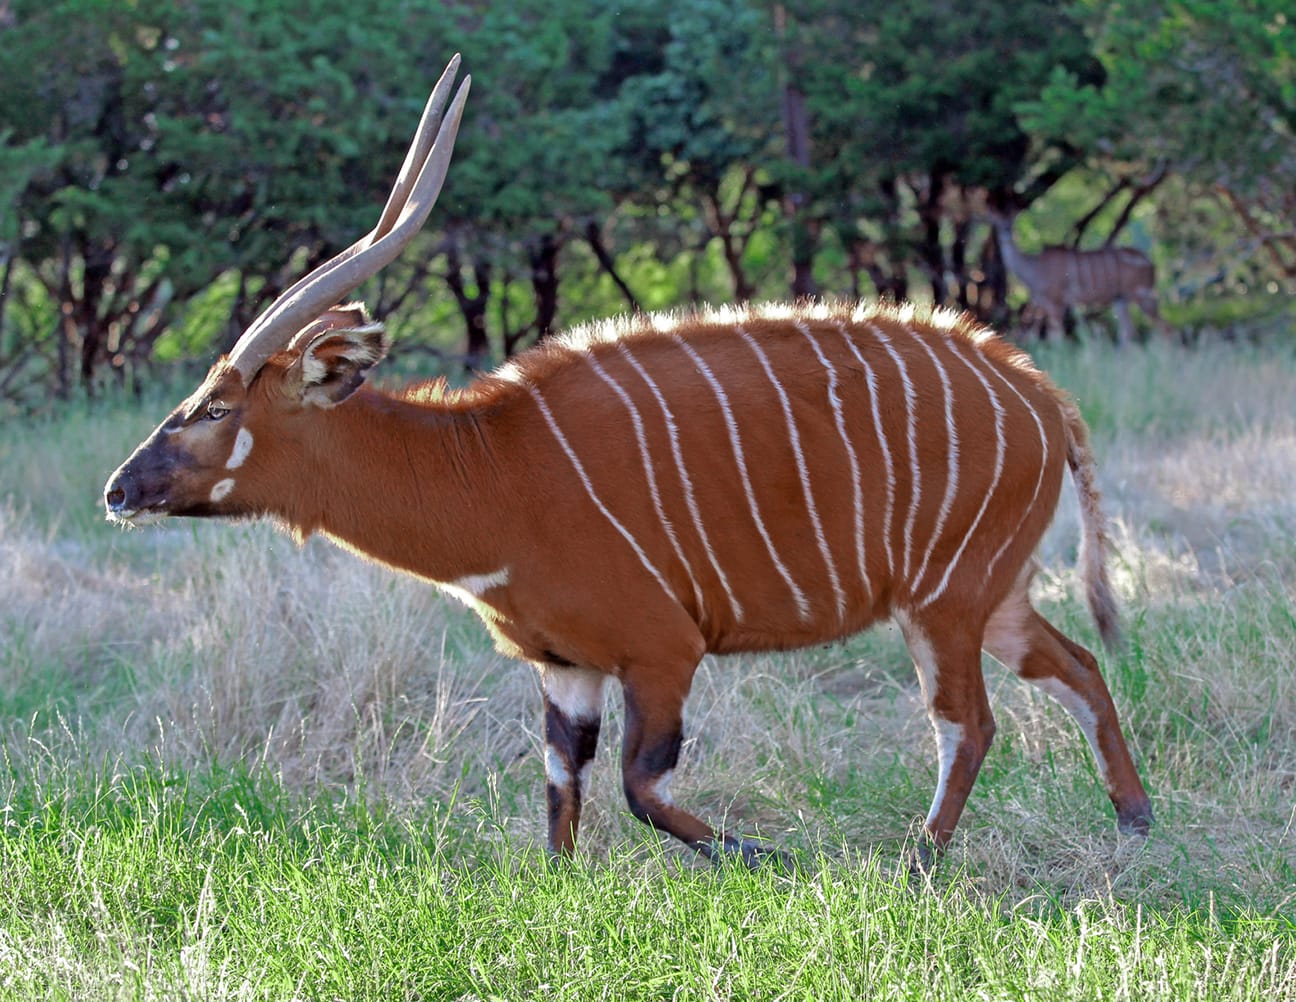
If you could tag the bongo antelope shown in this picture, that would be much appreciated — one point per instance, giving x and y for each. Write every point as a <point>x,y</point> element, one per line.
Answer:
<point>627,497</point>
<point>1059,277</point>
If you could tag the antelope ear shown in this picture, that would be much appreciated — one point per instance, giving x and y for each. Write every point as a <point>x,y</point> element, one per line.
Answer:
<point>332,363</point>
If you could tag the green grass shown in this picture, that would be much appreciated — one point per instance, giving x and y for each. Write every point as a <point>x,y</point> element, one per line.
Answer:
<point>234,768</point>
<point>152,884</point>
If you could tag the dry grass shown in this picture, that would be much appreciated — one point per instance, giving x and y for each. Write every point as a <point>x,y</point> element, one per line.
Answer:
<point>200,644</point>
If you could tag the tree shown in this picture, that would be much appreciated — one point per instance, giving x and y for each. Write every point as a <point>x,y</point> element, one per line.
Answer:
<point>912,110</point>
<point>1203,88</point>
<point>189,140</point>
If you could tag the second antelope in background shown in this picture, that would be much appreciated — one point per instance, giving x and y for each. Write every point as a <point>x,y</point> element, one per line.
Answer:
<point>630,496</point>
<point>1062,277</point>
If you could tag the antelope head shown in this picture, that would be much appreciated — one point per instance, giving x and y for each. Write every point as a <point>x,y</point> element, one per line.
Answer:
<point>302,354</point>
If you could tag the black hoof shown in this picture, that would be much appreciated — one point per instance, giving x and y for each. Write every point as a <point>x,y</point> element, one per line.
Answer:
<point>753,855</point>
<point>1137,821</point>
<point>921,859</point>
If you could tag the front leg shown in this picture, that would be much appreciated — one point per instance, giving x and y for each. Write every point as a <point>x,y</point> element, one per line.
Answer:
<point>654,734</point>
<point>573,699</point>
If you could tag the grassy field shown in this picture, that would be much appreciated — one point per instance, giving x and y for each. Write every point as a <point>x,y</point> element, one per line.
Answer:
<point>238,769</point>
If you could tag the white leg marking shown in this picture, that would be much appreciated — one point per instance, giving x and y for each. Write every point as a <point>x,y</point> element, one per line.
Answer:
<point>911,426</point>
<point>642,438</point>
<point>952,464</point>
<point>589,489</point>
<point>803,472</point>
<point>555,769</point>
<point>576,692</point>
<point>661,788</point>
<point>242,449</point>
<point>735,443</point>
<point>672,430</point>
<point>1000,449</point>
<point>1079,708</point>
<point>834,401</point>
<point>221,490</point>
<point>948,737</point>
<point>883,445</point>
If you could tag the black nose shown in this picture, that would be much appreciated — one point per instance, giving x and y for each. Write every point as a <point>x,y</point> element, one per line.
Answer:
<point>114,498</point>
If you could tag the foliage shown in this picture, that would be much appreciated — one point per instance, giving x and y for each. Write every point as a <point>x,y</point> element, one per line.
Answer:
<point>150,148</point>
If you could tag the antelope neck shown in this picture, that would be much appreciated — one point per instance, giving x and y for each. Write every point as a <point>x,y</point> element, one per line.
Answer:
<point>401,483</point>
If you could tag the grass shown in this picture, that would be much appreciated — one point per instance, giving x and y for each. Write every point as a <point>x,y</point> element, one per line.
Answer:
<point>237,769</point>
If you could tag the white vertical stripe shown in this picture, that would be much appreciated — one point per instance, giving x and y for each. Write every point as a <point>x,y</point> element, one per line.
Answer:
<point>952,463</point>
<point>735,443</point>
<point>834,401</point>
<point>589,489</point>
<point>690,499</point>
<point>883,445</point>
<point>803,472</point>
<point>911,426</point>
<point>642,438</point>
<point>1043,467</point>
<point>1000,449</point>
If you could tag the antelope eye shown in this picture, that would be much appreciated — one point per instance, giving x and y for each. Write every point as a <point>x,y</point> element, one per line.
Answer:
<point>215,411</point>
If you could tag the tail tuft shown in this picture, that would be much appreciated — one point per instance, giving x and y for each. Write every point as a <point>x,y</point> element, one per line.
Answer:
<point>1094,542</point>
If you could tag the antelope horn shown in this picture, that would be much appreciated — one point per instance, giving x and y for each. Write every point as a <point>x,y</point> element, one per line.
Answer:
<point>412,196</point>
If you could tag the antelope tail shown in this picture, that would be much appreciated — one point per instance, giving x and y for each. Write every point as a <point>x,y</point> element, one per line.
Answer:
<point>1094,542</point>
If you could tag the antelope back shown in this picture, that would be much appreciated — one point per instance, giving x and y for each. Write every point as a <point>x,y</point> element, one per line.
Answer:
<point>793,474</point>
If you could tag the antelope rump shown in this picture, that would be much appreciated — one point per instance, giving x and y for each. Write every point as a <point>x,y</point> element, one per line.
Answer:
<point>627,497</point>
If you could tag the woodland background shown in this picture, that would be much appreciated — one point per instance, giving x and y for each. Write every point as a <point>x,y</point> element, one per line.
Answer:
<point>167,167</point>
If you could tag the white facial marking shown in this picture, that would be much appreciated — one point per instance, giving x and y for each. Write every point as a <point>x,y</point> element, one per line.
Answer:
<point>242,447</point>
<point>221,490</point>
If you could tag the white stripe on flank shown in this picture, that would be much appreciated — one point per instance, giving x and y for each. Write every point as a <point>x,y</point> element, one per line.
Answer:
<point>883,445</point>
<point>835,401</point>
<point>589,489</point>
<point>1000,448</point>
<point>673,432</point>
<point>952,465</point>
<point>911,434</point>
<point>803,472</point>
<point>736,444</point>
<point>1044,455</point>
<point>642,438</point>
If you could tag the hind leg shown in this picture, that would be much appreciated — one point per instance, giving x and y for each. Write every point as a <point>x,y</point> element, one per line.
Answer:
<point>1027,643</point>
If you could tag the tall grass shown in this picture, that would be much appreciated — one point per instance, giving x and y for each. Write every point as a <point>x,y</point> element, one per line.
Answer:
<point>237,768</point>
